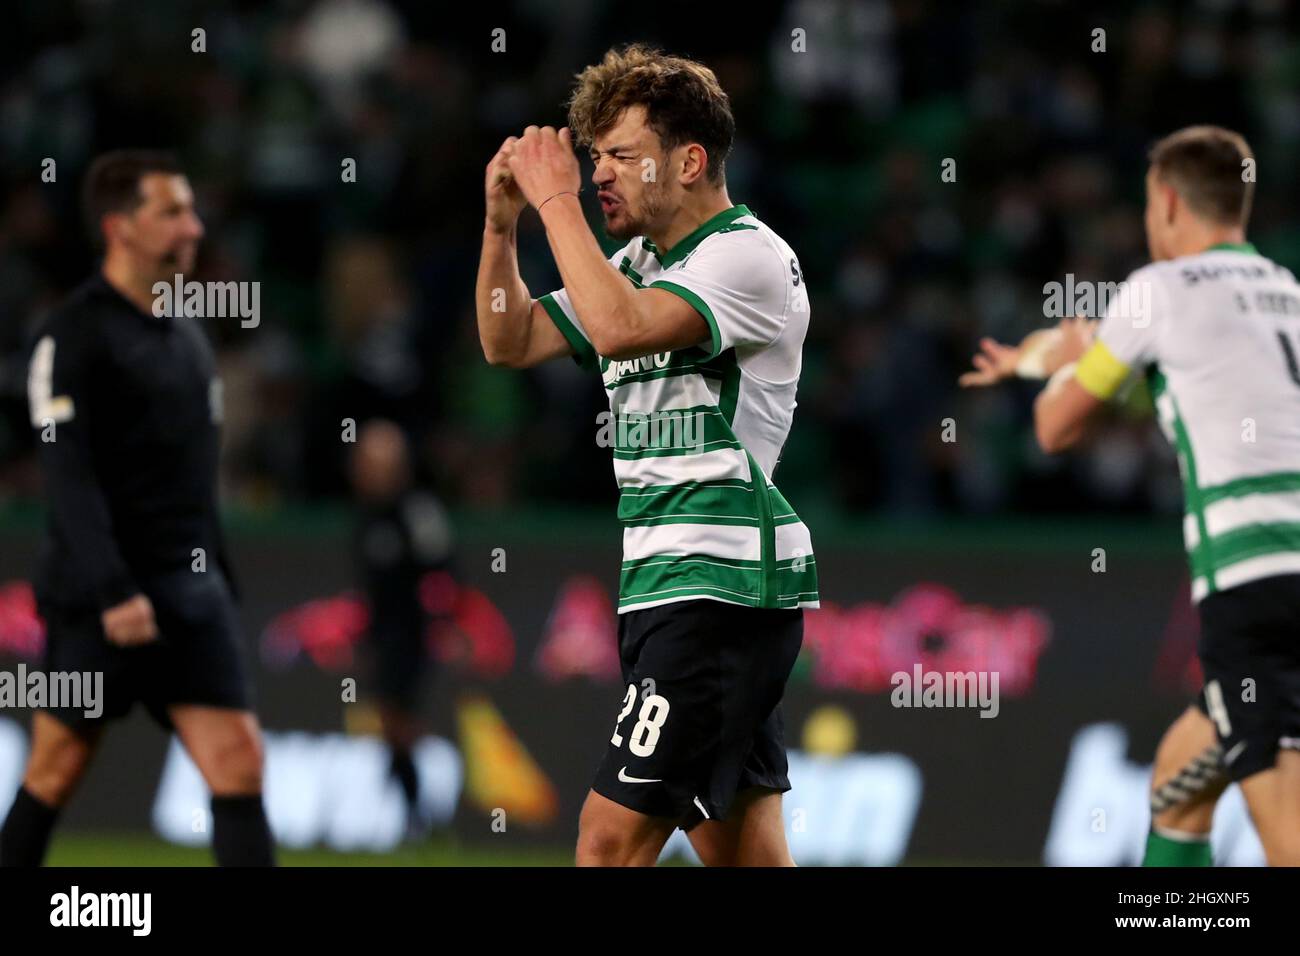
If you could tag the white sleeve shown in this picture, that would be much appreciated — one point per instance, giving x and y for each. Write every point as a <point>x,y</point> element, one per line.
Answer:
<point>559,307</point>
<point>740,285</point>
<point>1135,318</point>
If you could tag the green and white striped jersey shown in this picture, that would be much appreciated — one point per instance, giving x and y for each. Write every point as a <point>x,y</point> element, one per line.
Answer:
<point>696,433</point>
<point>1219,333</point>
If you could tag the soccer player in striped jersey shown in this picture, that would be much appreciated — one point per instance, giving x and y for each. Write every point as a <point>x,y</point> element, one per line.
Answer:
<point>1216,328</point>
<point>1187,778</point>
<point>696,327</point>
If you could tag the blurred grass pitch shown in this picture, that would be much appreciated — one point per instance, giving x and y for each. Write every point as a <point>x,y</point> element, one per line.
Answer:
<point>134,849</point>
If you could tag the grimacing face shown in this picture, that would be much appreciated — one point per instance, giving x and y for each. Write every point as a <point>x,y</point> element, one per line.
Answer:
<point>163,232</point>
<point>631,176</point>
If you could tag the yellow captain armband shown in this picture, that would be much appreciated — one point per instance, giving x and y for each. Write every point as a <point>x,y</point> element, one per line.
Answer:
<point>1099,372</point>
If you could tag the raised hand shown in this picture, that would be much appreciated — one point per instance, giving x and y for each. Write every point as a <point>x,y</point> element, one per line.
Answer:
<point>543,164</point>
<point>504,200</point>
<point>994,363</point>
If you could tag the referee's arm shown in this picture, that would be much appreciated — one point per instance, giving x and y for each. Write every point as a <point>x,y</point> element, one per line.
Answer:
<point>61,405</point>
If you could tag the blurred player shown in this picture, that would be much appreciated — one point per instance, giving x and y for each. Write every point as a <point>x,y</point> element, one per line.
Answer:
<point>1187,777</point>
<point>1218,334</point>
<point>134,581</point>
<point>402,535</point>
<point>701,316</point>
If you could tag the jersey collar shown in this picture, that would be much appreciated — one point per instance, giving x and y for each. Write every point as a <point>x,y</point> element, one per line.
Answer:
<point>111,292</point>
<point>688,243</point>
<point>1246,247</point>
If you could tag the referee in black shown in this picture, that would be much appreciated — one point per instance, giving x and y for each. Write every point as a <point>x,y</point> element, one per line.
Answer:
<point>133,580</point>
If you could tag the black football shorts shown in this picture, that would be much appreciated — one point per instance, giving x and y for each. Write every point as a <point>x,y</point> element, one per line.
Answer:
<point>197,658</point>
<point>700,716</point>
<point>1250,652</point>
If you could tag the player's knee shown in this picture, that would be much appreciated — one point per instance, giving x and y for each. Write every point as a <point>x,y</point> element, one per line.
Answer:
<point>765,853</point>
<point>716,855</point>
<point>243,763</point>
<point>54,771</point>
<point>602,842</point>
<point>603,845</point>
<point>233,764</point>
<point>1281,839</point>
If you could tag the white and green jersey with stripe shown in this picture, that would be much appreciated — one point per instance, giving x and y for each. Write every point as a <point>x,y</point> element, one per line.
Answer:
<point>1219,335</point>
<point>696,433</point>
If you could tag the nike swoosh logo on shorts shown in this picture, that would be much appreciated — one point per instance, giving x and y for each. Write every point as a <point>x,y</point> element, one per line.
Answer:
<point>622,775</point>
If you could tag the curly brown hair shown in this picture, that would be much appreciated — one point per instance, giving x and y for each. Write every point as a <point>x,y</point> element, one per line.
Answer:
<point>683,100</point>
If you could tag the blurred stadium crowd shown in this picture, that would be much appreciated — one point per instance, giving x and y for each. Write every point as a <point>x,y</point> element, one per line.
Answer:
<point>367,287</point>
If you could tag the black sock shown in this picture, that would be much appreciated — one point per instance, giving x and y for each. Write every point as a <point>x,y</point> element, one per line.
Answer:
<point>240,834</point>
<point>403,768</point>
<point>26,833</point>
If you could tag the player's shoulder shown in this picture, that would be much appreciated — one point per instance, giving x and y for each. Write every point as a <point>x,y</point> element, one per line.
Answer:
<point>71,320</point>
<point>634,257</point>
<point>746,232</point>
<point>632,250</point>
<point>1149,290</point>
<point>1163,273</point>
<point>748,248</point>
<point>1239,261</point>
